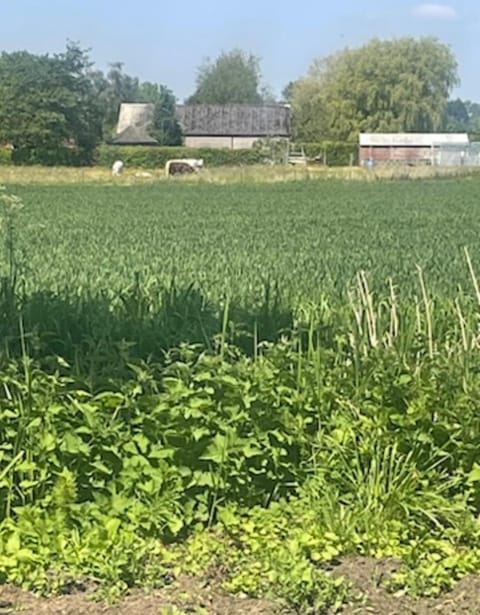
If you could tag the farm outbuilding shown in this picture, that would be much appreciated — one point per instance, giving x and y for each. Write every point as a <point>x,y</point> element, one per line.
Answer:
<point>227,126</point>
<point>232,126</point>
<point>134,121</point>
<point>409,148</point>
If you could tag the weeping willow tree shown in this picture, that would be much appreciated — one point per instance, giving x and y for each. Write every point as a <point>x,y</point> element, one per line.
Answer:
<point>384,86</point>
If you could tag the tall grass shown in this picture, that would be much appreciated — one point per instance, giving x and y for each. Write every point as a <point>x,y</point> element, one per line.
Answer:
<point>226,175</point>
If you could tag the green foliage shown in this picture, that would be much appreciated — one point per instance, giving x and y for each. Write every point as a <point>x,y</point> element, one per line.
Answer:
<point>215,410</point>
<point>456,116</point>
<point>320,234</point>
<point>55,109</point>
<point>61,547</point>
<point>117,87</point>
<point>5,156</point>
<point>165,128</point>
<point>111,90</point>
<point>462,116</point>
<point>234,77</point>
<point>151,157</point>
<point>399,85</point>
<point>282,553</point>
<point>61,156</point>
<point>334,154</point>
<point>10,206</point>
<point>274,149</point>
<point>48,103</point>
<point>287,92</point>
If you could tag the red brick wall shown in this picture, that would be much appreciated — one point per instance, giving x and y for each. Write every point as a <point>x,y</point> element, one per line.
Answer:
<point>395,153</point>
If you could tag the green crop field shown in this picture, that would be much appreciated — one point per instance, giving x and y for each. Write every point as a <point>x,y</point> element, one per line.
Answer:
<point>262,378</point>
<point>307,237</point>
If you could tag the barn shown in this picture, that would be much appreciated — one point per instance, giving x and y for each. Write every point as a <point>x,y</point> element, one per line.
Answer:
<point>408,148</point>
<point>221,126</point>
<point>232,126</point>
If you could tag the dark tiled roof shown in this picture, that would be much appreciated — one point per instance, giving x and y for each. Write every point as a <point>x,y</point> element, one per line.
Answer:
<point>234,120</point>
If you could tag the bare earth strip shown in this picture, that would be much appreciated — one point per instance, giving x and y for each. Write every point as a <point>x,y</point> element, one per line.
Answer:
<point>198,596</point>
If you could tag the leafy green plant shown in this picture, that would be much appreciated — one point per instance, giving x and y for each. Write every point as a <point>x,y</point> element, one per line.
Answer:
<point>183,397</point>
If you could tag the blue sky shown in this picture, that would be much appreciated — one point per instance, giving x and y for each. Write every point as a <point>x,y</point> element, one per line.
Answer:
<point>165,40</point>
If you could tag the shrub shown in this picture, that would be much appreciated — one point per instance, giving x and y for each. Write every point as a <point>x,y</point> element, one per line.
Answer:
<point>332,153</point>
<point>5,156</point>
<point>62,156</point>
<point>156,156</point>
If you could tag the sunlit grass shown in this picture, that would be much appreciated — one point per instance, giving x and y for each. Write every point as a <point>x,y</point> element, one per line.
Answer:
<point>253,174</point>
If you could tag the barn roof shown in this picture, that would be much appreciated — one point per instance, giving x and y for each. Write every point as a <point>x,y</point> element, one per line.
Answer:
<point>412,139</point>
<point>234,120</point>
<point>134,121</point>
<point>135,114</point>
<point>134,135</point>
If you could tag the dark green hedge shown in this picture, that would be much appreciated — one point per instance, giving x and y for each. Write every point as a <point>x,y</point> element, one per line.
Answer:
<point>64,156</point>
<point>328,152</point>
<point>151,157</point>
<point>331,153</point>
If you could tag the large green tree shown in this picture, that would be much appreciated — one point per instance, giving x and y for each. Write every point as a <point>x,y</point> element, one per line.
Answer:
<point>456,116</point>
<point>112,89</point>
<point>473,110</point>
<point>165,127</point>
<point>48,108</point>
<point>383,86</point>
<point>462,115</point>
<point>234,77</point>
<point>118,87</point>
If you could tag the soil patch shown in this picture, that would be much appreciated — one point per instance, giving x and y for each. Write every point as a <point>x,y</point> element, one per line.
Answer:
<point>368,575</point>
<point>199,596</point>
<point>188,595</point>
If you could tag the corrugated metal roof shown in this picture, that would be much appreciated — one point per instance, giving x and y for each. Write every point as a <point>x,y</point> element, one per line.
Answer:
<point>412,139</point>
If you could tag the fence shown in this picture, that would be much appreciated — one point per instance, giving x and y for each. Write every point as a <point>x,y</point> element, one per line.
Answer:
<point>467,155</point>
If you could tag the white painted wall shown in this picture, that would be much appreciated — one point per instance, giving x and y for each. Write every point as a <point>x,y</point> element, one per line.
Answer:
<point>221,142</point>
<point>218,142</point>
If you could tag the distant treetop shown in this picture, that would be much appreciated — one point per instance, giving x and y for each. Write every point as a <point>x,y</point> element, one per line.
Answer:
<point>234,77</point>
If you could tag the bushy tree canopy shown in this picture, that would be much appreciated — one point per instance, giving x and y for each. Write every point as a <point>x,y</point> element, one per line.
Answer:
<point>165,127</point>
<point>462,116</point>
<point>384,86</point>
<point>48,104</point>
<point>117,87</point>
<point>112,89</point>
<point>234,77</point>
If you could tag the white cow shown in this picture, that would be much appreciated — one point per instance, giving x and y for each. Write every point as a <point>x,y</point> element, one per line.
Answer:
<point>117,167</point>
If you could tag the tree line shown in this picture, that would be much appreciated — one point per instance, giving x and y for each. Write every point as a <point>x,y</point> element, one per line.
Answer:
<point>61,102</point>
